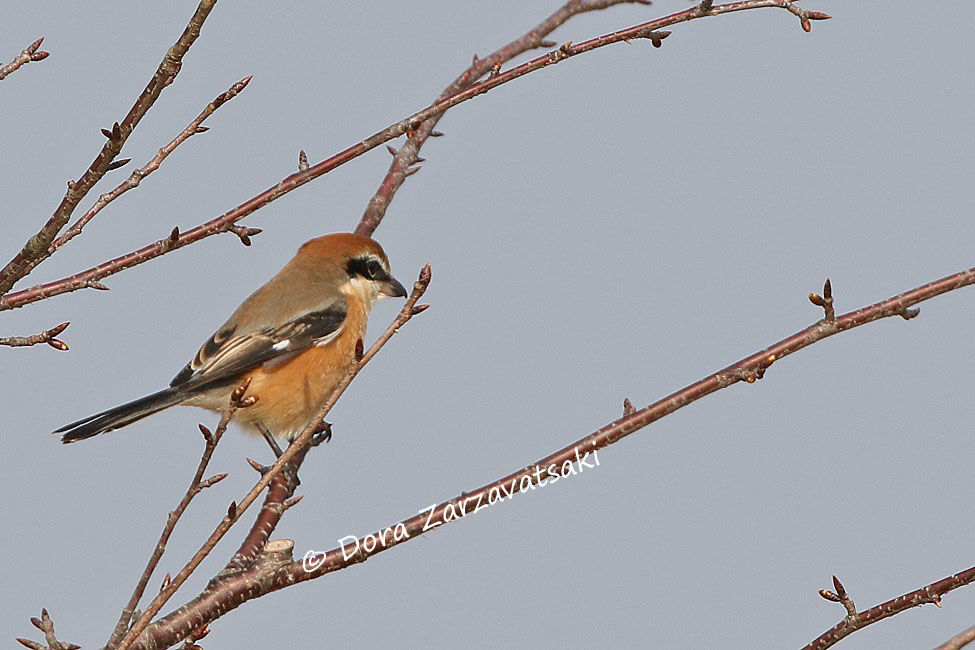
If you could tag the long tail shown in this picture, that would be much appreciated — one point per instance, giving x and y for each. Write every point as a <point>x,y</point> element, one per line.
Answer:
<point>120,416</point>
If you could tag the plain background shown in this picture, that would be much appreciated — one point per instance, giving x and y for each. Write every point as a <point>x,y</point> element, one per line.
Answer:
<point>616,226</point>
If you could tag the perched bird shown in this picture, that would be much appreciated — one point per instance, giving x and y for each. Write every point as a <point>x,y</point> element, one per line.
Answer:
<point>294,339</point>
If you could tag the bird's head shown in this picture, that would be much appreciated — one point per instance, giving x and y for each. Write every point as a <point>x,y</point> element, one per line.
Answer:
<point>358,262</point>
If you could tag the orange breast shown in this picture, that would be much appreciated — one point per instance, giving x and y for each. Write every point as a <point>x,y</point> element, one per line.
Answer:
<point>290,394</point>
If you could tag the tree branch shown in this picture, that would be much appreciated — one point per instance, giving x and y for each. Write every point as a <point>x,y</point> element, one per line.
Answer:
<point>280,490</point>
<point>30,53</point>
<point>135,178</point>
<point>855,620</point>
<point>197,484</point>
<point>37,247</point>
<point>223,223</point>
<point>408,154</point>
<point>277,570</point>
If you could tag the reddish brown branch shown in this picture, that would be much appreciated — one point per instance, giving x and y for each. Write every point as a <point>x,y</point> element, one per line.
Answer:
<point>197,484</point>
<point>280,490</point>
<point>277,501</point>
<point>297,447</point>
<point>264,577</point>
<point>30,53</point>
<point>37,248</point>
<point>408,154</point>
<point>135,178</point>
<point>223,223</point>
<point>47,336</point>
<point>853,621</point>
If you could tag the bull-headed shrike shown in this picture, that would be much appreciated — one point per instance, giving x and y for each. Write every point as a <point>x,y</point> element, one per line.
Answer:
<point>293,340</point>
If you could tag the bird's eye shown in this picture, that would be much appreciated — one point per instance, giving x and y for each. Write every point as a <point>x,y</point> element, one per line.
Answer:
<point>375,270</point>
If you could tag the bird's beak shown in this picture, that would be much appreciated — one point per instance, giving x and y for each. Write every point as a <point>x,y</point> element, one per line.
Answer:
<point>392,288</point>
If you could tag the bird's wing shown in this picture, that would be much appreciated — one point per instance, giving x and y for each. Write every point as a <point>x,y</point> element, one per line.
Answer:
<point>227,355</point>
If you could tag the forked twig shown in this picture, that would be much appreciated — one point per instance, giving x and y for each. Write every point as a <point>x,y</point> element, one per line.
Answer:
<point>197,484</point>
<point>47,336</point>
<point>854,620</point>
<point>30,53</point>
<point>136,177</point>
<point>406,156</point>
<point>46,625</point>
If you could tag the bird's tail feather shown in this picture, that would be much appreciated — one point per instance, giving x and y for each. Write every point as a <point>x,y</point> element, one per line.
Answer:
<point>120,416</point>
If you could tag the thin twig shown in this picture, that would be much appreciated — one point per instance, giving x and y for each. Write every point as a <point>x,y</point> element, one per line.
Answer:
<point>47,336</point>
<point>136,177</point>
<point>958,641</point>
<point>263,578</point>
<point>649,30</point>
<point>38,247</point>
<point>197,484</point>
<point>46,625</point>
<point>929,594</point>
<point>298,446</point>
<point>30,53</point>
<point>408,154</point>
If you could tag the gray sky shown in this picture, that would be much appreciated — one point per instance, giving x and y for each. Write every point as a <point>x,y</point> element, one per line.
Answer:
<point>619,225</point>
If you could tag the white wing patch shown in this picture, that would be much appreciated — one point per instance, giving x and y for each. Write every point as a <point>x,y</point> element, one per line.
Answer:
<point>225,356</point>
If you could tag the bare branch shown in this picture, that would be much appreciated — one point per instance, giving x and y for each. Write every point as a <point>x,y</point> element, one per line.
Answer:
<point>648,30</point>
<point>136,177</point>
<point>280,491</point>
<point>47,336</point>
<point>262,578</point>
<point>408,154</point>
<point>30,53</point>
<point>37,247</point>
<point>197,484</point>
<point>930,594</point>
